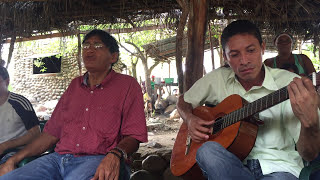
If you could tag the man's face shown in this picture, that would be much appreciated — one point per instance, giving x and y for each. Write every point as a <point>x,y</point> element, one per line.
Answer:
<point>243,53</point>
<point>3,86</point>
<point>96,56</point>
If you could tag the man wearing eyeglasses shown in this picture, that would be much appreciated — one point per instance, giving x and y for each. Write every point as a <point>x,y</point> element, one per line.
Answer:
<point>19,124</point>
<point>98,122</point>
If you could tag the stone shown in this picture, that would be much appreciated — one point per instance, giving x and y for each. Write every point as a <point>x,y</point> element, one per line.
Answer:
<point>136,165</point>
<point>154,164</point>
<point>167,175</point>
<point>172,99</point>
<point>169,109</point>
<point>174,114</point>
<point>141,175</point>
<point>153,145</point>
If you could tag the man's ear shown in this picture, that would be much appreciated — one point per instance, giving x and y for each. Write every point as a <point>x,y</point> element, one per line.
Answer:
<point>7,82</point>
<point>115,57</point>
<point>225,59</point>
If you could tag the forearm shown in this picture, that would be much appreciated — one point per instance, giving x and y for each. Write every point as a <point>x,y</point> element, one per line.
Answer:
<point>308,144</point>
<point>32,134</point>
<point>184,108</point>
<point>38,146</point>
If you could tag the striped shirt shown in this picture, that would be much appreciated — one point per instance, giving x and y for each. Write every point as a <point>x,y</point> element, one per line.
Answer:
<point>16,117</point>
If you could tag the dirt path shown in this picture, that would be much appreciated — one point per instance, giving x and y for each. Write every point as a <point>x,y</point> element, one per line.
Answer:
<point>162,133</point>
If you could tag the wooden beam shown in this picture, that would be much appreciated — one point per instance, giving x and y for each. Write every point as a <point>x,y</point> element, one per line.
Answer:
<point>196,40</point>
<point>111,31</point>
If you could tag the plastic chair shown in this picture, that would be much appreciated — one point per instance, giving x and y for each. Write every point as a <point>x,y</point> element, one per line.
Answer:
<point>311,171</point>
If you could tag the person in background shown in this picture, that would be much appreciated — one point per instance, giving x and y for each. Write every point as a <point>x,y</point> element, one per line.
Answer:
<point>98,122</point>
<point>297,63</point>
<point>2,62</point>
<point>289,125</point>
<point>19,124</point>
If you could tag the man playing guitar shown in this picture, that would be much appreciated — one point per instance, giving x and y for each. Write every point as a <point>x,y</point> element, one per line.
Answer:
<point>290,131</point>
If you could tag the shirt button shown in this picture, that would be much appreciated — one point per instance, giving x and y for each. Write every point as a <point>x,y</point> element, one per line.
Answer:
<point>83,128</point>
<point>87,109</point>
<point>91,92</point>
<point>101,87</point>
<point>77,145</point>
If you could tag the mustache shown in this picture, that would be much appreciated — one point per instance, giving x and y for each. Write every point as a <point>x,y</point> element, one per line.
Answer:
<point>247,66</point>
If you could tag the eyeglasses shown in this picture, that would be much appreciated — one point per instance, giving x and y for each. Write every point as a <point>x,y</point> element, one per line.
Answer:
<point>96,46</point>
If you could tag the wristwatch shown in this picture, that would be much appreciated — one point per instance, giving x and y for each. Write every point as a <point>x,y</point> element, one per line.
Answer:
<point>123,153</point>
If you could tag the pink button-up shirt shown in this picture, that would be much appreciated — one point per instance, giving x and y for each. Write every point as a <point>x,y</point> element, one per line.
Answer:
<point>93,121</point>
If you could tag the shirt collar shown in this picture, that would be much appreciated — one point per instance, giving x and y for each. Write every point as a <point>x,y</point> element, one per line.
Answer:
<point>268,81</point>
<point>85,78</point>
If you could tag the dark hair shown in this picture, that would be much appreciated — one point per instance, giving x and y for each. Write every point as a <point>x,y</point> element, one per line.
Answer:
<point>105,37</point>
<point>239,27</point>
<point>4,73</point>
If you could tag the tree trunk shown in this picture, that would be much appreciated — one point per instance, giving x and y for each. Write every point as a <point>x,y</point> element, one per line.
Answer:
<point>79,54</point>
<point>196,39</point>
<point>134,67</point>
<point>179,38</point>
<point>11,48</point>
<point>147,77</point>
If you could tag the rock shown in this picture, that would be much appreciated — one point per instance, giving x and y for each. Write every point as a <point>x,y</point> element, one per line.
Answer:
<point>174,114</point>
<point>41,109</point>
<point>136,156</point>
<point>154,164</point>
<point>141,175</point>
<point>154,126</point>
<point>172,99</point>
<point>167,175</point>
<point>170,108</point>
<point>160,105</point>
<point>136,165</point>
<point>154,145</point>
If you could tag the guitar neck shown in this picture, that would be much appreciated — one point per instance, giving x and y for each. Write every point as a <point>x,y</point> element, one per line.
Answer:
<point>255,107</point>
<point>251,109</point>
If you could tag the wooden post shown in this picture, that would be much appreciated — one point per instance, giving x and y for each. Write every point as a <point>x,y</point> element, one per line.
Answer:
<point>211,44</point>
<point>79,54</point>
<point>196,40</point>
<point>11,48</point>
<point>179,38</point>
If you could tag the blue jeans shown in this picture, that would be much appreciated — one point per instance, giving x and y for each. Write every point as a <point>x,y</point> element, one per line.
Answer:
<point>65,167</point>
<point>218,163</point>
<point>7,156</point>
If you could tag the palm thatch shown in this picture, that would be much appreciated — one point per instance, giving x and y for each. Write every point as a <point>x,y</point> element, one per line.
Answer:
<point>25,18</point>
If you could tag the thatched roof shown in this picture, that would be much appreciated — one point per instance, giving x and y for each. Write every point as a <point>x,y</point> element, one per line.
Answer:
<point>24,18</point>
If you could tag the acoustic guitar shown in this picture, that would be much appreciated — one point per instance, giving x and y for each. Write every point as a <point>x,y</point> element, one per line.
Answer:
<point>235,128</point>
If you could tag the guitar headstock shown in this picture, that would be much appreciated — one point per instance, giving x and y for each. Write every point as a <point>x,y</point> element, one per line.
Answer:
<point>315,78</point>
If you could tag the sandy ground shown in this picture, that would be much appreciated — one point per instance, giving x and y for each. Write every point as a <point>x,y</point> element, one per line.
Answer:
<point>164,134</point>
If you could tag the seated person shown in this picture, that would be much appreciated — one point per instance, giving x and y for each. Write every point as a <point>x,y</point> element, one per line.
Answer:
<point>287,60</point>
<point>292,123</point>
<point>19,124</point>
<point>97,123</point>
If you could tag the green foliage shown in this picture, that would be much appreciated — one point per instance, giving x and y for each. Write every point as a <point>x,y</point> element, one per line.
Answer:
<point>313,56</point>
<point>38,63</point>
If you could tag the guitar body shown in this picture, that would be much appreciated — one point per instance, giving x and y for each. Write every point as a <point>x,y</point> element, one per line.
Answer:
<point>238,138</point>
